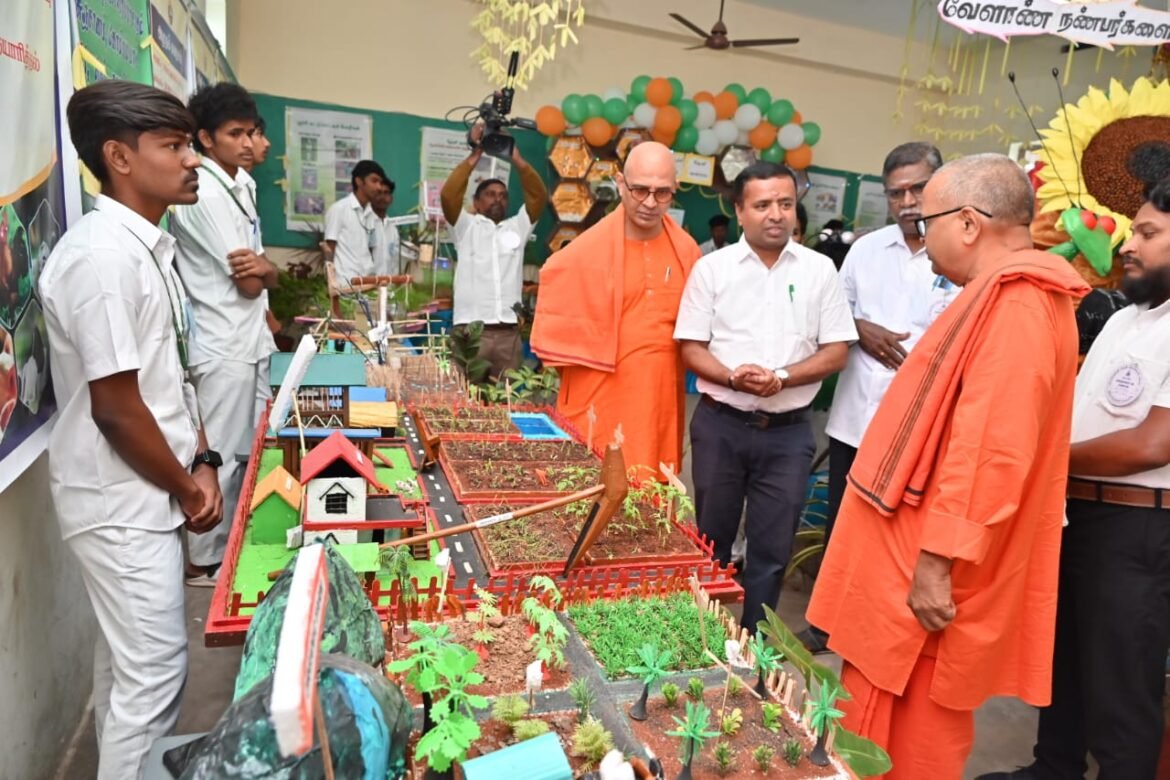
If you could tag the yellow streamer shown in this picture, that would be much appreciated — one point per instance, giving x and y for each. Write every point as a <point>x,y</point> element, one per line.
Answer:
<point>1007,49</point>
<point>983,72</point>
<point>1072,49</point>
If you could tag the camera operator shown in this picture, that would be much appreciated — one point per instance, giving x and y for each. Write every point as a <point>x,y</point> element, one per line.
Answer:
<point>490,247</point>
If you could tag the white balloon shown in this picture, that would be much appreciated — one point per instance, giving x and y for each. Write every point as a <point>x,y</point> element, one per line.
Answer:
<point>708,143</point>
<point>742,138</point>
<point>706,116</point>
<point>614,92</point>
<point>573,130</point>
<point>791,136</point>
<point>747,116</point>
<point>644,115</point>
<point>726,132</point>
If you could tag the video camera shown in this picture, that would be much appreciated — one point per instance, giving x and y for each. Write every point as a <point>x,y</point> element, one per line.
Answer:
<point>494,114</point>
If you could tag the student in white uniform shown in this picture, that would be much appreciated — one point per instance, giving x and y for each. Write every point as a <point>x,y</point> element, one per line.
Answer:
<point>349,225</point>
<point>1113,602</point>
<point>894,296</point>
<point>489,275</point>
<point>221,259</point>
<point>128,463</point>
<point>718,227</point>
<point>260,147</point>
<point>387,241</point>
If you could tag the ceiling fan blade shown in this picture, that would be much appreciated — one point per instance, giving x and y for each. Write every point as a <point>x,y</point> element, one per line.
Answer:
<point>702,45</point>
<point>764,42</point>
<point>688,23</point>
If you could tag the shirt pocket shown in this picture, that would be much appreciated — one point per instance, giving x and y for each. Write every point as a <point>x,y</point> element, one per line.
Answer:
<point>1131,384</point>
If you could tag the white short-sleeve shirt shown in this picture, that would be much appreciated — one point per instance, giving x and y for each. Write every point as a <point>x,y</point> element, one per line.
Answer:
<point>351,226</point>
<point>773,317</point>
<point>113,303</point>
<point>250,183</point>
<point>226,324</point>
<point>888,285</point>
<point>1125,374</point>
<point>490,270</point>
<point>386,247</point>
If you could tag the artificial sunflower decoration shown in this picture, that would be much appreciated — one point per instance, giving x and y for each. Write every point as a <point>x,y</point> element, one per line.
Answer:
<point>1100,156</point>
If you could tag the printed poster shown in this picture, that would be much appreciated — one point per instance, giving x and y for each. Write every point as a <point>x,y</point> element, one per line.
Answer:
<point>169,26</point>
<point>31,222</point>
<point>203,51</point>
<point>322,147</point>
<point>108,37</point>
<point>442,151</point>
<point>873,209</point>
<point>824,200</point>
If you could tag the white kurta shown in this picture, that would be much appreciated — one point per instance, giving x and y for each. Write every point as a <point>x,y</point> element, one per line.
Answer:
<point>113,303</point>
<point>490,273</point>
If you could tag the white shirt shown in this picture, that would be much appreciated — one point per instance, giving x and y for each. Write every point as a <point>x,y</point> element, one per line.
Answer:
<point>386,247</point>
<point>112,303</point>
<point>351,225</point>
<point>1125,374</point>
<point>227,325</point>
<point>490,271</point>
<point>772,317</point>
<point>250,183</point>
<point>888,285</point>
<point>708,246</point>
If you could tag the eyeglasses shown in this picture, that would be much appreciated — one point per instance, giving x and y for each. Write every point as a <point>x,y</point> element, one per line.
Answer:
<point>639,192</point>
<point>900,193</point>
<point>920,223</point>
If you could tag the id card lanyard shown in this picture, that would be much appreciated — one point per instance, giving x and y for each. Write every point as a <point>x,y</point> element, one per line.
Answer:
<point>254,222</point>
<point>174,302</point>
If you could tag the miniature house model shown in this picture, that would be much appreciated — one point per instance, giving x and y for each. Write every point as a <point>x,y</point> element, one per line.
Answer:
<point>336,478</point>
<point>276,507</point>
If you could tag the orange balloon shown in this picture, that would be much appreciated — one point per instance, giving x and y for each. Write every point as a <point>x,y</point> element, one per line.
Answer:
<point>668,119</point>
<point>597,131</point>
<point>666,139</point>
<point>659,92</point>
<point>725,105</point>
<point>798,158</point>
<point>796,119</point>
<point>550,121</point>
<point>763,135</point>
<point>703,97</point>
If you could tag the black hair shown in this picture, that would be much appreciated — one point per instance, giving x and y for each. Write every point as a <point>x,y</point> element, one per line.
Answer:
<point>389,184</point>
<point>215,106</point>
<point>802,219</point>
<point>363,169</point>
<point>760,170</point>
<point>483,185</point>
<point>911,154</point>
<point>1158,195</point>
<point>116,110</point>
<point>719,220</point>
<point>261,125</point>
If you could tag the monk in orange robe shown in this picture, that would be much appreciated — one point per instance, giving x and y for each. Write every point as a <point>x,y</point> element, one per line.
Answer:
<point>939,589</point>
<point>605,317</point>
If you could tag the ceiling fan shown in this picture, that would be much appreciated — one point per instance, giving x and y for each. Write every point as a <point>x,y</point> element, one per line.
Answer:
<point>717,39</point>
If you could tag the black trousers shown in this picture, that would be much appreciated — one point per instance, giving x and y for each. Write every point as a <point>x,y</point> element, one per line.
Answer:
<point>841,457</point>
<point>734,463</point>
<point>1112,636</point>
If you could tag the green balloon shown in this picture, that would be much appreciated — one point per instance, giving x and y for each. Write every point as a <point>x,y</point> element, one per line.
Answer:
<point>615,111</point>
<point>737,90</point>
<point>631,103</point>
<point>676,90</point>
<point>689,110</point>
<point>761,99</point>
<point>773,154</point>
<point>638,88</point>
<point>686,139</point>
<point>781,112</point>
<point>573,107</point>
<point>812,133</point>
<point>593,106</point>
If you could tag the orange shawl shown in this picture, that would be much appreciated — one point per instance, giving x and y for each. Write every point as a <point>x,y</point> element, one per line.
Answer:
<point>898,452</point>
<point>580,301</point>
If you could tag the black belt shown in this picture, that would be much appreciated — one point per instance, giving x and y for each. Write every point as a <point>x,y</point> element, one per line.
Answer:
<point>762,420</point>
<point>500,326</point>
<point>1123,495</point>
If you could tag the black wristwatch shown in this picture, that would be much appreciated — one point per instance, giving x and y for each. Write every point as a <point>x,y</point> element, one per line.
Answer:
<point>207,458</point>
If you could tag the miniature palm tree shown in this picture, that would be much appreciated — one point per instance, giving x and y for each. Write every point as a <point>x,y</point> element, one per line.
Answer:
<point>765,659</point>
<point>693,731</point>
<point>652,669</point>
<point>396,561</point>
<point>821,715</point>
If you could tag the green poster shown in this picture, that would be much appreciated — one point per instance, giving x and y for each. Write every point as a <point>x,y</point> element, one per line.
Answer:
<point>109,35</point>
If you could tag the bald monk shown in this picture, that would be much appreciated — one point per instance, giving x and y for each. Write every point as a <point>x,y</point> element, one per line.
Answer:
<point>939,589</point>
<point>606,312</point>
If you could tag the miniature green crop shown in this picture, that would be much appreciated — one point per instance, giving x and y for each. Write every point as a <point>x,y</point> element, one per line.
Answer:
<point>695,688</point>
<point>583,698</point>
<point>763,757</point>
<point>510,709</point>
<point>724,757</point>
<point>735,686</point>
<point>670,694</point>
<point>793,752</point>
<point>548,643</point>
<point>485,611</point>
<point>453,713</point>
<point>591,741</point>
<point>527,729</point>
<point>772,715</point>
<point>732,722</point>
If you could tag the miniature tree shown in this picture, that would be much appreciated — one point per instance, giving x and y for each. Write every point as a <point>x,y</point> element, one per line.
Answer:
<point>653,667</point>
<point>763,757</point>
<point>583,698</point>
<point>724,757</point>
<point>693,731</point>
<point>485,611</point>
<point>550,636</point>
<point>396,561</point>
<point>670,694</point>
<point>765,660</point>
<point>591,741</point>
<point>455,727</point>
<point>419,667</point>
<point>821,715</point>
